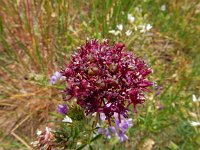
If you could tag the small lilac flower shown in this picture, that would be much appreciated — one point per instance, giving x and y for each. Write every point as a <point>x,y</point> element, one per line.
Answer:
<point>63,109</point>
<point>120,128</point>
<point>102,117</point>
<point>112,129</point>
<point>123,137</point>
<point>158,90</point>
<point>123,122</point>
<point>57,75</point>
<point>105,132</point>
<point>160,107</point>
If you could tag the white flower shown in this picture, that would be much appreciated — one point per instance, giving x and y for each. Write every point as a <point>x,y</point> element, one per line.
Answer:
<point>98,125</point>
<point>136,28</point>
<point>114,32</point>
<point>145,28</point>
<point>108,104</point>
<point>35,143</point>
<point>38,132</point>
<point>57,74</point>
<point>194,123</point>
<point>163,7</point>
<point>131,18</point>
<point>128,32</point>
<point>62,78</point>
<point>138,9</point>
<point>195,99</point>
<point>79,143</point>
<point>148,27</point>
<point>94,114</point>
<point>120,27</point>
<point>48,130</point>
<point>67,119</point>
<point>53,15</point>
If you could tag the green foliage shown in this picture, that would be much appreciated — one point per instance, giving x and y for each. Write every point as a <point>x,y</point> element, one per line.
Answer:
<point>78,134</point>
<point>76,113</point>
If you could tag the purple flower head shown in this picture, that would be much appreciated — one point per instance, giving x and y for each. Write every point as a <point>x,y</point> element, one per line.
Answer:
<point>106,79</point>
<point>63,109</point>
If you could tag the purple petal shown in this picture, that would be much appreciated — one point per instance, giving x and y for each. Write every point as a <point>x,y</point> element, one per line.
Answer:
<point>102,117</point>
<point>63,109</point>
<point>123,137</point>
<point>112,129</point>
<point>53,80</point>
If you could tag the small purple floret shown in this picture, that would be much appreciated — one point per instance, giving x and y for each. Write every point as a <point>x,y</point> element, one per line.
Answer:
<point>57,75</point>
<point>158,90</point>
<point>123,137</point>
<point>63,109</point>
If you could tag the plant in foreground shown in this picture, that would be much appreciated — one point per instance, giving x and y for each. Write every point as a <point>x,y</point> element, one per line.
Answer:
<point>104,81</point>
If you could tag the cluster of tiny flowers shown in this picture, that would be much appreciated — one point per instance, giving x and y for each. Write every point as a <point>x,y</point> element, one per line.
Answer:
<point>45,140</point>
<point>105,79</point>
<point>131,19</point>
<point>158,90</point>
<point>120,128</point>
<point>142,28</point>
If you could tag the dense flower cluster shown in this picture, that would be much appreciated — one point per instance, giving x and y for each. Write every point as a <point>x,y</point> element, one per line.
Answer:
<point>106,79</point>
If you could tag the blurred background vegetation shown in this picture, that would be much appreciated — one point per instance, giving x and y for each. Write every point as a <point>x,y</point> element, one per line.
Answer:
<point>38,36</point>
